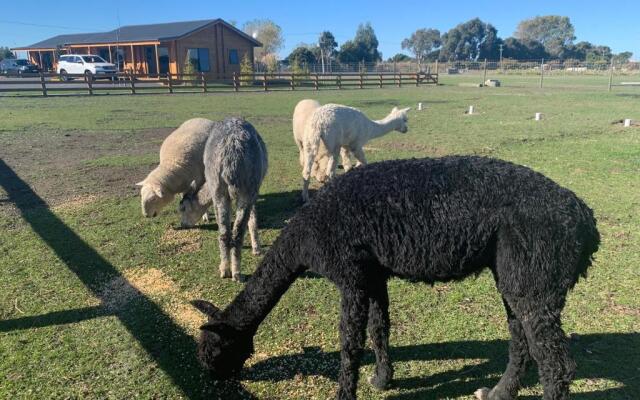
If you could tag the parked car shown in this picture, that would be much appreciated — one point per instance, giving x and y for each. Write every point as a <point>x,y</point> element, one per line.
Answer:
<point>12,66</point>
<point>91,66</point>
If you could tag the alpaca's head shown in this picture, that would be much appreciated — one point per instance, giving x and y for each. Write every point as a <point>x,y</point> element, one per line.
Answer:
<point>152,198</point>
<point>222,349</point>
<point>401,118</point>
<point>191,207</point>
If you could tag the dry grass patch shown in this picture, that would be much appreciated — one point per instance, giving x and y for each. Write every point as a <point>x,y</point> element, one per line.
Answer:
<point>76,203</point>
<point>179,241</point>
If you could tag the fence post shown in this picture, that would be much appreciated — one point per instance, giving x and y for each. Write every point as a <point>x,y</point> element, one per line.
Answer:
<point>293,81</point>
<point>89,84</point>
<point>264,81</point>
<point>417,79</point>
<point>380,81</point>
<point>339,81</point>
<point>436,66</point>
<point>43,84</point>
<point>541,72</point>
<point>235,82</point>
<point>170,82</point>
<point>400,79</point>
<point>361,81</point>
<point>315,82</point>
<point>204,82</point>
<point>610,75</point>
<point>131,82</point>
<point>484,78</point>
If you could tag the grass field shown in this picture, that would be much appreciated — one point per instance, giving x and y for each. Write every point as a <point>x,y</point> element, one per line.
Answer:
<point>94,298</point>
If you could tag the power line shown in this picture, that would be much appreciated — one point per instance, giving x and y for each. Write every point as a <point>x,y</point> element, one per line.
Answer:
<point>43,26</point>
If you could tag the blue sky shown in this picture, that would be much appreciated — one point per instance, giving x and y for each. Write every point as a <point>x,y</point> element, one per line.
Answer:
<point>612,23</point>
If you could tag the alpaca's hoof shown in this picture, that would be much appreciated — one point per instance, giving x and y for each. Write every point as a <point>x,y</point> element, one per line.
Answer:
<point>225,273</point>
<point>238,278</point>
<point>482,393</point>
<point>378,383</point>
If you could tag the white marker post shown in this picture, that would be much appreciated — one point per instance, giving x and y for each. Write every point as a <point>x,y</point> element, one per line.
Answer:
<point>538,116</point>
<point>627,123</point>
<point>419,106</point>
<point>470,110</point>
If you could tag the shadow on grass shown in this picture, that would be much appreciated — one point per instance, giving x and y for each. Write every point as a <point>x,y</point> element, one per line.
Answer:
<point>610,356</point>
<point>166,343</point>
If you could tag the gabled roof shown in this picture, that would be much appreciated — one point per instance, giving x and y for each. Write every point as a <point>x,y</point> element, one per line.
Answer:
<point>136,33</point>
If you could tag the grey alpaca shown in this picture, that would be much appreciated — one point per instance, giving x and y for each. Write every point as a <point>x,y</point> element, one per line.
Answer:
<point>235,163</point>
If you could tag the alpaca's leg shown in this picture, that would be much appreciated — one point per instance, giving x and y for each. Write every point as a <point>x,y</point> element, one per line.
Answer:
<point>309,158</point>
<point>223,217</point>
<point>353,322</point>
<point>359,154</point>
<point>243,211</point>
<point>346,159</point>
<point>253,231</point>
<point>519,358</point>
<point>378,328</point>
<point>331,165</point>
<point>548,344</point>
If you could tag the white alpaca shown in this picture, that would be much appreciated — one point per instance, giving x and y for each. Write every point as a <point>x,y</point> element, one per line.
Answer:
<point>180,163</point>
<point>338,126</point>
<point>301,114</point>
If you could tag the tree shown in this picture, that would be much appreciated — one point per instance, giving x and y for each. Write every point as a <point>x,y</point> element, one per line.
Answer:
<point>266,32</point>
<point>556,33</point>
<point>363,47</point>
<point>422,42</point>
<point>622,58</point>
<point>246,67</point>
<point>301,55</point>
<point>399,58</point>
<point>327,44</point>
<point>5,53</point>
<point>471,40</point>
<point>523,50</point>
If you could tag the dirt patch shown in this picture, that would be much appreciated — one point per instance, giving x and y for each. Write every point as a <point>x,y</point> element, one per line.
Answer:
<point>178,241</point>
<point>54,164</point>
<point>186,315</point>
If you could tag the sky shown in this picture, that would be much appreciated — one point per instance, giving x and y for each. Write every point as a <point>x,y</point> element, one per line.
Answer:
<point>614,23</point>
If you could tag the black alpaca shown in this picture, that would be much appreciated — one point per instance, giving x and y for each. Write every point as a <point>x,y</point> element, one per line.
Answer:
<point>427,220</point>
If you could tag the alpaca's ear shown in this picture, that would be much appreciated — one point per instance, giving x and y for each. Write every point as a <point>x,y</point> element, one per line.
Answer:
<point>141,183</point>
<point>211,327</point>
<point>394,110</point>
<point>404,110</point>
<point>205,307</point>
<point>158,191</point>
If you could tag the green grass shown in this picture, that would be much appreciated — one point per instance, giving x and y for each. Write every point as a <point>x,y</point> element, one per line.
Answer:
<point>58,341</point>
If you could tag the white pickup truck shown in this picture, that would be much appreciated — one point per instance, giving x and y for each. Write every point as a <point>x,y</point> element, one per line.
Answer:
<point>91,66</point>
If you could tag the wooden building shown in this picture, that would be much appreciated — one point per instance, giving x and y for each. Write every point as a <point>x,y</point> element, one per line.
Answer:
<point>214,47</point>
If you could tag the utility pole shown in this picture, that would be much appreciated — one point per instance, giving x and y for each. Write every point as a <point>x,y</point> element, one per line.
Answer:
<point>321,57</point>
<point>501,58</point>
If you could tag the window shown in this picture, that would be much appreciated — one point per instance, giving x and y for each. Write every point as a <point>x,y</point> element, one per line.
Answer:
<point>199,58</point>
<point>233,57</point>
<point>163,57</point>
<point>93,59</point>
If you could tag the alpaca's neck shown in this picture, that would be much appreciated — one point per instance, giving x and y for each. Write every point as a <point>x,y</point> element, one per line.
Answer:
<point>382,127</point>
<point>277,271</point>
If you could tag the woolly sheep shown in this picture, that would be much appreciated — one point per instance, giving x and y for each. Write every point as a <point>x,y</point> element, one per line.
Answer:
<point>301,114</point>
<point>336,126</point>
<point>180,163</point>
<point>424,220</point>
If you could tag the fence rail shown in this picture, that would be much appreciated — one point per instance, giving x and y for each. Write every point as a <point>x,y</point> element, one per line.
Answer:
<point>46,84</point>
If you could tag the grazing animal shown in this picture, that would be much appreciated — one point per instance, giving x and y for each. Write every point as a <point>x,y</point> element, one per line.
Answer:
<point>338,126</point>
<point>180,163</point>
<point>197,201</point>
<point>235,163</point>
<point>301,114</point>
<point>424,220</point>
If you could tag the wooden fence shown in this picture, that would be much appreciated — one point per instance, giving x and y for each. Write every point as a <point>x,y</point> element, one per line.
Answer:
<point>46,84</point>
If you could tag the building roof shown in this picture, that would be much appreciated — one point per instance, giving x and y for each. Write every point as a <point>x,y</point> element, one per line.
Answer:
<point>135,33</point>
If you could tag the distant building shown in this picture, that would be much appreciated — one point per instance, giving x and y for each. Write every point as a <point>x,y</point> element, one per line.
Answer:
<point>214,47</point>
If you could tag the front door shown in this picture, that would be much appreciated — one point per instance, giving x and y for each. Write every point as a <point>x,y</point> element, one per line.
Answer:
<point>150,57</point>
